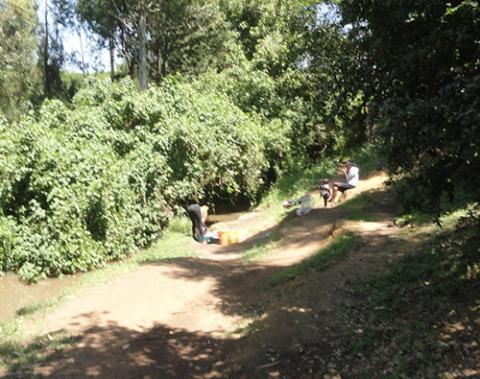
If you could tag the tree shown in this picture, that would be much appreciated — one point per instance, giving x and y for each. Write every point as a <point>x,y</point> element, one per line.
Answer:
<point>142,50</point>
<point>330,60</point>
<point>100,17</point>
<point>52,54</point>
<point>18,75</point>
<point>122,24</point>
<point>189,37</point>
<point>162,37</point>
<point>421,81</point>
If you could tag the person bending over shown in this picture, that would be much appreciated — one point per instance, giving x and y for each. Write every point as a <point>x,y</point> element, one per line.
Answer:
<point>198,216</point>
<point>351,176</point>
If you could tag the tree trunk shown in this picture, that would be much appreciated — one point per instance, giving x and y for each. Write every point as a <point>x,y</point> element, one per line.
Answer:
<point>82,52</point>
<point>142,51</point>
<point>48,84</point>
<point>111,47</point>
<point>159,63</point>
<point>164,60</point>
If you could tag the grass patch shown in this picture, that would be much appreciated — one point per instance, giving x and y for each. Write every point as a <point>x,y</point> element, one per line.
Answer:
<point>447,220</point>
<point>250,327</point>
<point>445,266</point>
<point>318,262</point>
<point>369,158</point>
<point>18,357</point>
<point>357,209</point>
<point>181,225</point>
<point>364,343</point>
<point>296,183</point>
<point>30,309</point>
<point>261,248</point>
<point>171,246</point>
<point>246,330</point>
<point>414,218</point>
<point>9,329</point>
<point>258,251</point>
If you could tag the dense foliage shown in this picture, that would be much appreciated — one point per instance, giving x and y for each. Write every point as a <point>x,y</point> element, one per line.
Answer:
<point>238,89</point>
<point>91,180</point>
<point>83,186</point>
<point>18,73</point>
<point>419,76</point>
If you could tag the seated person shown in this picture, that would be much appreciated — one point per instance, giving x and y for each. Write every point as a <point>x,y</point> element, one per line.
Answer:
<point>351,175</point>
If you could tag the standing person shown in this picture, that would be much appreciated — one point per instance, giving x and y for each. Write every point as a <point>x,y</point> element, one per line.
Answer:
<point>325,190</point>
<point>198,215</point>
<point>351,175</point>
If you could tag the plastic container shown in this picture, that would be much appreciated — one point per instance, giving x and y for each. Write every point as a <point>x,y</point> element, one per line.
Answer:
<point>229,237</point>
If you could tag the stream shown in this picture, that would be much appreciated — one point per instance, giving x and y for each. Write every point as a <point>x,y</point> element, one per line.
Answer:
<point>16,294</point>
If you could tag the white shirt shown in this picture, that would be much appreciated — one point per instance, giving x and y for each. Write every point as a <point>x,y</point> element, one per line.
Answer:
<point>324,189</point>
<point>352,176</point>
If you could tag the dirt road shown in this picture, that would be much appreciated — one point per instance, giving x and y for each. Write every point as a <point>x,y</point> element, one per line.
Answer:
<point>208,317</point>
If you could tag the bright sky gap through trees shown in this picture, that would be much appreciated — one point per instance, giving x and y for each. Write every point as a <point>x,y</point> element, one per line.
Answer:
<point>96,58</point>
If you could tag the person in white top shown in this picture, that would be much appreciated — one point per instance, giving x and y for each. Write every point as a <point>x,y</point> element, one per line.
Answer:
<point>351,175</point>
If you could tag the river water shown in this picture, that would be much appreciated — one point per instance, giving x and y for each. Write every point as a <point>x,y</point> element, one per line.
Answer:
<point>16,294</point>
<point>225,217</point>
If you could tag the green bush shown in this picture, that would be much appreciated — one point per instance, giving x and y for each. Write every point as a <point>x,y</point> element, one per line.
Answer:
<point>83,186</point>
<point>8,241</point>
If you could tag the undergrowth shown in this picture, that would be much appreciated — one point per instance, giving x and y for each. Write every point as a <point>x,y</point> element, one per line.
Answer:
<point>422,318</point>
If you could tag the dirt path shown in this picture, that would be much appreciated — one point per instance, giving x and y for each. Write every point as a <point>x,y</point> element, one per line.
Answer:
<point>206,317</point>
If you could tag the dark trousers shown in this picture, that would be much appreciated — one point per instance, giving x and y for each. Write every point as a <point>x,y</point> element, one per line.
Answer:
<point>325,199</point>
<point>195,213</point>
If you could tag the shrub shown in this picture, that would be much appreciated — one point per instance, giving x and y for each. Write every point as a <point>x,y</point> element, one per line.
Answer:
<point>87,185</point>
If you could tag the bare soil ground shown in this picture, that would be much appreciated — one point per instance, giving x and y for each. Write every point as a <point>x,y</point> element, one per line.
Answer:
<point>211,317</point>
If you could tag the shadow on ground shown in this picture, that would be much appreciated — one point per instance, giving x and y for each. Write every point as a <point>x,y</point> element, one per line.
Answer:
<point>115,351</point>
<point>299,329</point>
